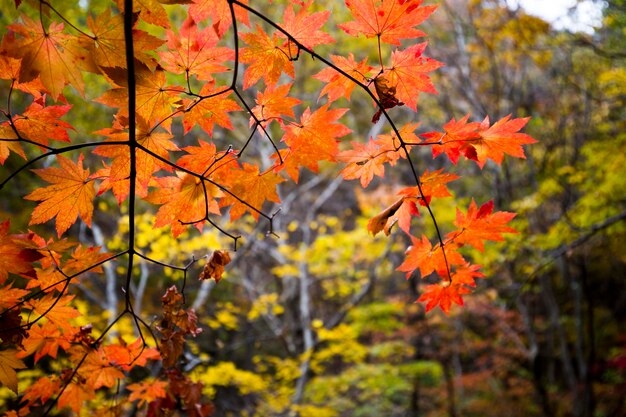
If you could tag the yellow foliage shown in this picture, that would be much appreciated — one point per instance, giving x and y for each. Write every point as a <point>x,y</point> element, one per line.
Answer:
<point>226,374</point>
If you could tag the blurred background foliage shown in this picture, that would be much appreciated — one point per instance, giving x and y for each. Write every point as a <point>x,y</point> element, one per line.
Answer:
<point>317,323</point>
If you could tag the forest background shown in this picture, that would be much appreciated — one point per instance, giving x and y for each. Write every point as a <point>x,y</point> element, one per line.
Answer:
<point>317,321</point>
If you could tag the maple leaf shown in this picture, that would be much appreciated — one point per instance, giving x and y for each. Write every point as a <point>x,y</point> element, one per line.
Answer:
<point>390,20</point>
<point>501,138</point>
<point>84,258</point>
<point>219,11</point>
<point>8,364</point>
<point>209,110</point>
<point>155,100</point>
<point>304,27</point>
<point>337,84</point>
<point>205,159</point>
<point>157,142</point>
<point>11,330</point>
<point>40,123</point>
<point>17,253</point>
<point>182,201</point>
<point>96,369</point>
<point>9,142</point>
<point>433,184</point>
<point>41,390</point>
<point>195,52</point>
<point>390,143</point>
<point>147,391</point>
<point>70,195</point>
<point>364,162</point>
<point>481,224</point>
<point>75,395</point>
<point>272,103</point>
<point>442,295</point>
<point>252,187</point>
<point>150,11</point>
<point>428,259</point>
<point>48,279</point>
<point>408,74</point>
<point>107,47</point>
<point>456,140</point>
<point>126,356</point>
<point>44,340</point>
<point>56,310</point>
<point>214,267</point>
<point>314,138</point>
<point>56,58</point>
<point>266,58</point>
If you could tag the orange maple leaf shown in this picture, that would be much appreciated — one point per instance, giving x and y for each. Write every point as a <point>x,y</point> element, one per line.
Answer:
<point>219,12</point>
<point>433,184</point>
<point>209,110</point>
<point>195,52</point>
<point>428,259</point>
<point>56,310</point>
<point>41,390</point>
<point>456,140</point>
<point>501,138</point>
<point>150,11</point>
<point>44,340</point>
<point>272,103</point>
<point>70,195</point>
<point>252,187</point>
<point>147,391</point>
<point>364,162</point>
<point>305,27</point>
<point>183,201</point>
<point>408,74</point>
<point>40,123</point>
<point>390,20</point>
<point>53,56</point>
<point>337,84</point>
<point>96,369</point>
<point>442,295</point>
<point>266,57</point>
<point>314,138</point>
<point>478,225</point>
<point>8,364</point>
<point>107,47</point>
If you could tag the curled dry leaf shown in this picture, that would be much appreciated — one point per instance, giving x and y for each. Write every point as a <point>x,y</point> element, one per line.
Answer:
<point>214,268</point>
<point>378,222</point>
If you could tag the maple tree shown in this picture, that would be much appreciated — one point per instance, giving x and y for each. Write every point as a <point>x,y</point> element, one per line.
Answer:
<point>227,65</point>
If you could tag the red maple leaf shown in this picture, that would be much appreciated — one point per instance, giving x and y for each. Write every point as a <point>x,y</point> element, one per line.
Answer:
<point>390,20</point>
<point>501,138</point>
<point>305,27</point>
<point>442,295</point>
<point>478,225</point>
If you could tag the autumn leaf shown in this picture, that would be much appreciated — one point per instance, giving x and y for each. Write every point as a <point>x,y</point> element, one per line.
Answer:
<point>96,369</point>
<point>266,58</point>
<point>195,52</point>
<point>126,356</point>
<point>8,364</point>
<point>41,390</point>
<point>54,309</point>
<point>75,395</point>
<point>314,138</point>
<point>182,200</point>
<point>147,391</point>
<point>364,162</point>
<point>70,195</point>
<point>378,222</point>
<point>390,20</point>
<point>339,85</point>
<point>408,74</point>
<point>17,253</point>
<point>480,224</point>
<point>273,103</point>
<point>422,256</point>
<point>433,184</point>
<point>219,12</point>
<point>107,47</point>
<point>386,96</point>
<point>9,142</point>
<point>304,27</point>
<point>209,110</point>
<point>456,139</point>
<point>50,54</point>
<point>442,295</point>
<point>150,11</point>
<point>501,138</point>
<point>252,187</point>
<point>40,123</point>
<point>44,340</point>
<point>214,267</point>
